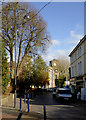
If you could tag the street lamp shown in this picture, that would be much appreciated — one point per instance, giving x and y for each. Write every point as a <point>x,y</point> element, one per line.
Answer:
<point>26,17</point>
<point>34,57</point>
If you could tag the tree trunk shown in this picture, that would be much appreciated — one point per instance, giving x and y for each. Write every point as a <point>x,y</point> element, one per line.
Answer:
<point>11,64</point>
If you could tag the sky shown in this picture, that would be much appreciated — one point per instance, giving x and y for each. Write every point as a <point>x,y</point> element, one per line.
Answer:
<point>65,24</point>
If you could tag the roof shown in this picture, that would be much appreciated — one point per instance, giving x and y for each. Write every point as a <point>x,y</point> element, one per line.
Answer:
<point>54,60</point>
<point>81,41</point>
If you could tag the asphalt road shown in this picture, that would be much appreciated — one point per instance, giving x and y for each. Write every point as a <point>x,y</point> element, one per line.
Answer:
<point>56,110</point>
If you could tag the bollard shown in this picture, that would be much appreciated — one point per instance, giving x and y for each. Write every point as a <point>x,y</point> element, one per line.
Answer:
<point>28,105</point>
<point>27,96</point>
<point>20,103</point>
<point>44,112</point>
<point>15,100</point>
<point>24,98</point>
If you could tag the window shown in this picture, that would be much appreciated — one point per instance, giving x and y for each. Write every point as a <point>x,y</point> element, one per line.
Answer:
<point>54,64</point>
<point>75,56</point>
<point>79,52</point>
<point>55,76</point>
<point>72,71</point>
<point>55,71</point>
<point>85,47</point>
<point>64,91</point>
<point>80,68</point>
<point>72,58</point>
<point>75,70</point>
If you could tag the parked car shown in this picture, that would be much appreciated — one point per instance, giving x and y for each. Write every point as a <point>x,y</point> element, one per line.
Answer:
<point>54,92</point>
<point>63,94</point>
<point>50,89</point>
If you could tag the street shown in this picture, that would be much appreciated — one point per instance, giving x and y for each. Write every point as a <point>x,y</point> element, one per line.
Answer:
<point>43,53</point>
<point>55,109</point>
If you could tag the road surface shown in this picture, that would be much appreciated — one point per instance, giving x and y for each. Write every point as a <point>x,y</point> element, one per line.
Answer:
<point>56,110</point>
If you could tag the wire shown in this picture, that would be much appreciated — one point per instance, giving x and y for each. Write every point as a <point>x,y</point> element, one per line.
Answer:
<point>41,9</point>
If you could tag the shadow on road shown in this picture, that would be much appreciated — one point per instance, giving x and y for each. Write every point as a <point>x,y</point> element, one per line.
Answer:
<point>47,99</point>
<point>19,116</point>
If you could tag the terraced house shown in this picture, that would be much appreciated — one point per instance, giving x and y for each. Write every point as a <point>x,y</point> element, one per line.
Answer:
<point>78,65</point>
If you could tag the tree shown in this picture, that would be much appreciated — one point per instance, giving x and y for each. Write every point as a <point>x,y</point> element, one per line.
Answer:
<point>27,67</point>
<point>41,73</point>
<point>27,71</point>
<point>63,69</point>
<point>34,72</point>
<point>25,77</point>
<point>31,34</point>
<point>5,76</point>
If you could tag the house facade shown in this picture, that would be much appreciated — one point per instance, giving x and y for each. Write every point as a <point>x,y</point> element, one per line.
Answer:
<point>78,65</point>
<point>53,72</point>
<point>51,77</point>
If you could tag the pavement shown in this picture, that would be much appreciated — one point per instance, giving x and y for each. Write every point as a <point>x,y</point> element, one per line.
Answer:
<point>20,115</point>
<point>9,112</point>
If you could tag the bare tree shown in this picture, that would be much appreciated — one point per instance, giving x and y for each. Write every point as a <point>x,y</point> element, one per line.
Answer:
<point>62,66</point>
<point>31,35</point>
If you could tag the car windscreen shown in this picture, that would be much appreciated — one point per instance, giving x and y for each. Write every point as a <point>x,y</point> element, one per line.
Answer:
<point>64,91</point>
<point>54,90</point>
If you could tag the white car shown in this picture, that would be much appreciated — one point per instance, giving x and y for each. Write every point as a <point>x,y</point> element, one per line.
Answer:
<point>63,94</point>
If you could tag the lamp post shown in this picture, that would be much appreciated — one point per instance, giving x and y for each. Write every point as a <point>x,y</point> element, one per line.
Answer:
<point>25,17</point>
<point>15,59</point>
<point>34,68</point>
